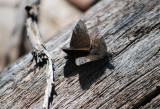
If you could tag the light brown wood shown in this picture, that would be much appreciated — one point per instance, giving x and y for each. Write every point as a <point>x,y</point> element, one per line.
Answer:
<point>132,79</point>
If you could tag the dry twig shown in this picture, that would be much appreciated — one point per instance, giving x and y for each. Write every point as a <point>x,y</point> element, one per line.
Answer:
<point>40,54</point>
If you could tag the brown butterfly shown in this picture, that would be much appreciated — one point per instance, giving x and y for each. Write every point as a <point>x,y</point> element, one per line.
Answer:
<point>85,47</point>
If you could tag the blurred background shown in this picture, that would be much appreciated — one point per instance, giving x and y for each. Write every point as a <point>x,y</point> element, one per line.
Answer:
<point>54,16</point>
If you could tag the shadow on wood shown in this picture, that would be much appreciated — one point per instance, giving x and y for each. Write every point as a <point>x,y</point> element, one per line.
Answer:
<point>88,72</point>
<point>53,92</point>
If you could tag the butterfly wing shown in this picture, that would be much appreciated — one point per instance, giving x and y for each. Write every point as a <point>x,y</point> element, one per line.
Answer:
<point>86,59</point>
<point>97,43</point>
<point>76,53</point>
<point>80,39</point>
<point>98,48</point>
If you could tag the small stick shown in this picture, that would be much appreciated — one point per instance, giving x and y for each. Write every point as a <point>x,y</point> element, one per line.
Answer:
<point>40,54</point>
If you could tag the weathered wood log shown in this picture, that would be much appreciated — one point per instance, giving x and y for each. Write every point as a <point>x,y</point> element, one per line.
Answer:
<point>130,80</point>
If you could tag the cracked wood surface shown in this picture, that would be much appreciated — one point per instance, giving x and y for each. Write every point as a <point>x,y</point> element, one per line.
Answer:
<point>131,80</point>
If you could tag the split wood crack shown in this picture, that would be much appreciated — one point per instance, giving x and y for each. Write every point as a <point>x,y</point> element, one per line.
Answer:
<point>147,98</point>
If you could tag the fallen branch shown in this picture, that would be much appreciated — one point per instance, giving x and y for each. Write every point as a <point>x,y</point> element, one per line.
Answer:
<point>40,54</point>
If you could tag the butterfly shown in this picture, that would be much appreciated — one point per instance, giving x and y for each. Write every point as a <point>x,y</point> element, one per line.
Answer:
<point>86,47</point>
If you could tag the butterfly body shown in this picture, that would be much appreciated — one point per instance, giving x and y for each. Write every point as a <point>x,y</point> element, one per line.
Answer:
<point>76,53</point>
<point>86,47</point>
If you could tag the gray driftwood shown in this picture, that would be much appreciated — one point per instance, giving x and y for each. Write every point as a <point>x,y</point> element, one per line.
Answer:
<point>131,80</point>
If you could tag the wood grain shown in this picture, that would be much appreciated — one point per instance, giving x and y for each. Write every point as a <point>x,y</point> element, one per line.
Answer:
<point>131,80</point>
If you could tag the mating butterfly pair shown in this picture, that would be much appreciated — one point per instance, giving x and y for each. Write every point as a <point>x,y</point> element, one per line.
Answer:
<point>86,47</point>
